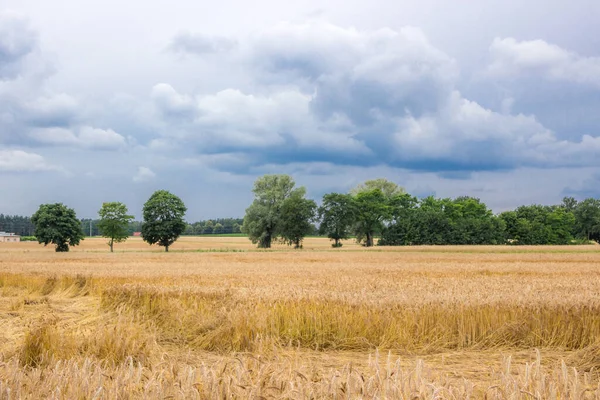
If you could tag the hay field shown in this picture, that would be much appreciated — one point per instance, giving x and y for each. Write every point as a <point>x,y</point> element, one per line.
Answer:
<point>215,318</point>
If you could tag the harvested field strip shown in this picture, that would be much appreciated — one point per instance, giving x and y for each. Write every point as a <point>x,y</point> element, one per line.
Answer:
<point>218,322</point>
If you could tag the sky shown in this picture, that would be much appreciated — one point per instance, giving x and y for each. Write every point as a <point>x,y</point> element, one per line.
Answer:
<point>111,100</point>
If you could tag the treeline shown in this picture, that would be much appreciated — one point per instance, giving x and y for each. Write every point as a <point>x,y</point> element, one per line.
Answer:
<point>375,212</point>
<point>16,224</point>
<point>466,220</point>
<point>382,209</point>
<point>23,226</point>
<point>217,226</point>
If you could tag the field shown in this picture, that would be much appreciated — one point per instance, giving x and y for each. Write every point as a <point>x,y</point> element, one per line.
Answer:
<point>216,318</point>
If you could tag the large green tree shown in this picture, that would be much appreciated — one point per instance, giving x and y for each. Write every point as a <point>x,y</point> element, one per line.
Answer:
<point>337,216</point>
<point>464,220</point>
<point>402,229</point>
<point>163,219</point>
<point>538,224</point>
<point>263,216</point>
<point>114,222</point>
<point>57,224</point>
<point>372,210</point>
<point>372,205</point>
<point>297,215</point>
<point>587,219</point>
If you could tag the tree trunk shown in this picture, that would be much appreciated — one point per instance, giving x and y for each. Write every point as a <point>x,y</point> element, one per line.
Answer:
<point>337,242</point>
<point>369,239</point>
<point>265,243</point>
<point>62,247</point>
<point>111,245</point>
<point>167,248</point>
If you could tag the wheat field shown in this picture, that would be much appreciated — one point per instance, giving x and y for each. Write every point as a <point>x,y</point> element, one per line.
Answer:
<point>217,318</point>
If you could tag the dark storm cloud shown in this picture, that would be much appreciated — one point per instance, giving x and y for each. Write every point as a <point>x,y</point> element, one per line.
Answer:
<point>367,98</point>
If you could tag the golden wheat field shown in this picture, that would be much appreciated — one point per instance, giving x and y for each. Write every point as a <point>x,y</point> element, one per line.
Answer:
<point>216,318</point>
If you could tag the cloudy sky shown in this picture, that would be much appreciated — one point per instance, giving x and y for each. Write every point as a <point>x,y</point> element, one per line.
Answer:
<point>110,100</point>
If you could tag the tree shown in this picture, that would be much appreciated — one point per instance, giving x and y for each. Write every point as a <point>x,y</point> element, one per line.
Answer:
<point>371,199</point>
<point>57,224</point>
<point>114,222</point>
<point>388,188</point>
<point>197,228</point>
<point>337,216</point>
<point>569,204</point>
<point>218,229</point>
<point>372,210</point>
<point>263,216</point>
<point>297,213</point>
<point>189,229</point>
<point>587,219</point>
<point>208,228</point>
<point>536,225</point>
<point>163,219</point>
<point>402,230</point>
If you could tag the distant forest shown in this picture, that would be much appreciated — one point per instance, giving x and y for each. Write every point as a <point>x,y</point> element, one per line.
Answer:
<point>24,227</point>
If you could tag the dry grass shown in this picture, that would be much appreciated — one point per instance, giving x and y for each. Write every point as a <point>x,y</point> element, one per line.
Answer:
<point>220,320</point>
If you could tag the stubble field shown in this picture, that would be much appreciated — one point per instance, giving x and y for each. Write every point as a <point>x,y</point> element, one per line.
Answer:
<point>215,318</point>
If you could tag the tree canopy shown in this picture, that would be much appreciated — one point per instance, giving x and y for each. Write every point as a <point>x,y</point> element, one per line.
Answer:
<point>264,219</point>
<point>114,222</point>
<point>337,216</point>
<point>57,224</point>
<point>163,219</point>
<point>587,219</point>
<point>388,188</point>
<point>464,220</point>
<point>372,210</point>
<point>297,213</point>
<point>537,224</point>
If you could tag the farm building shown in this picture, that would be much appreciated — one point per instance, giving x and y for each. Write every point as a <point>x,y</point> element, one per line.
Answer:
<point>9,237</point>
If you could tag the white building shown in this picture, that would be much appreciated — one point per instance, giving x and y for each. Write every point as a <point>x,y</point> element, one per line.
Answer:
<point>9,237</point>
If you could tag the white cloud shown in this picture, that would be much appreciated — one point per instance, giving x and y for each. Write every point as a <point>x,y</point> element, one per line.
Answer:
<point>232,119</point>
<point>17,40</point>
<point>186,42</point>
<point>84,137</point>
<point>144,174</point>
<point>463,133</point>
<point>171,103</point>
<point>510,58</point>
<point>57,110</point>
<point>100,139</point>
<point>355,72</point>
<point>21,161</point>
